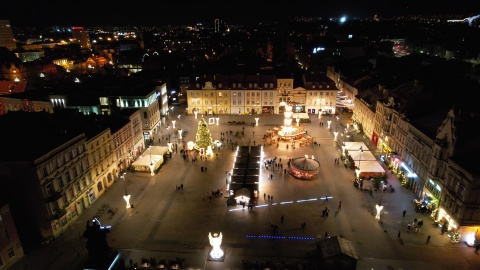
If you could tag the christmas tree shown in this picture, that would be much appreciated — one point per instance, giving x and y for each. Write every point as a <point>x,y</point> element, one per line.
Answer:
<point>203,138</point>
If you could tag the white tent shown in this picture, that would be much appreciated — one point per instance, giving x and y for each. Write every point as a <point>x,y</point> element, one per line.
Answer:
<point>369,166</point>
<point>153,155</point>
<point>359,155</point>
<point>355,146</point>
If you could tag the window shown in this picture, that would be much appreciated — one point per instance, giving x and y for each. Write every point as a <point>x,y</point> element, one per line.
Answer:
<point>5,235</point>
<point>99,186</point>
<point>248,94</point>
<point>11,253</point>
<point>219,94</point>
<point>60,182</point>
<point>49,189</point>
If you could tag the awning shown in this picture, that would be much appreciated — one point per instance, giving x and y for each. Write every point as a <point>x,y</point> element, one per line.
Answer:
<point>359,155</point>
<point>355,146</point>
<point>369,166</point>
<point>242,192</point>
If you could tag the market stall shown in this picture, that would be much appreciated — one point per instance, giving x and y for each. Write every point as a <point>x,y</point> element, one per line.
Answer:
<point>152,158</point>
<point>369,168</point>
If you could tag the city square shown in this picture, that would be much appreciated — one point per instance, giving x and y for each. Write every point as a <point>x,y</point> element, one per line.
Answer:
<point>172,226</point>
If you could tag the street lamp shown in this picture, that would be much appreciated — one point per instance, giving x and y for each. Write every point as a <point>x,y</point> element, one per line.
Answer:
<point>256,121</point>
<point>328,123</point>
<point>335,134</point>
<point>124,176</point>
<point>173,123</point>
<point>151,162</point>
<point>358,170</point>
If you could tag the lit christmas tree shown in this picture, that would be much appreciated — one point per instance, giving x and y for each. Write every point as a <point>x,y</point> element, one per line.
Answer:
<point>203,138</point>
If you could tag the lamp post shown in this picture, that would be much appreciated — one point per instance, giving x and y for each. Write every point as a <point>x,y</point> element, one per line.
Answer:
<point>328,123</point>
<point>358,170</point>
<point>256,121</point>
<point>335,134</point>
<point>151,162</point>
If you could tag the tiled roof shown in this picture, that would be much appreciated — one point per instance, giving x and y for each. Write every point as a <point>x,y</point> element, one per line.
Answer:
<point>9,87</point>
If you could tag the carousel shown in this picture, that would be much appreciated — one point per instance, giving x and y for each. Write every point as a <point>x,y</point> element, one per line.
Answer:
<point>304,167</point>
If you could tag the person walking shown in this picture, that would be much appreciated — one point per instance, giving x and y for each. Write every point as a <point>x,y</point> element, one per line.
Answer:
<point>428,239</point>
<point>281,219</point>
<point>404,212</point>
<point>340,205</point>
<point>399,234</point>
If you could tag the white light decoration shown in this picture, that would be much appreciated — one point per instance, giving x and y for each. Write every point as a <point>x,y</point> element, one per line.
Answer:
<point>195,112</point>
<point>190,145</point>
<point>256,121</point>
<point>335,134</point>
<point>170,147</point>
<point>215,242</point>
<point>209,150</point>
<point>328,123</point>
<point>180,133</point>
<point>217,120</point>
<point>379,210</point>
<point>173,123</point>
<point>152,173</point>
<point>298,121</point>
<point>126,197</point>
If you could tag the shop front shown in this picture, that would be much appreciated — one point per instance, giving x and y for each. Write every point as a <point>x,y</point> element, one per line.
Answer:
<point>268,110</point>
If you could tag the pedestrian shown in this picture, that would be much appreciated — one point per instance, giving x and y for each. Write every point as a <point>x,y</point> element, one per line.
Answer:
<point>205,169</point>
<point>326,199</point>
<point>131,263</point>
<point>281,219</point>
<point>428,239</point>
<point>268,196</point>
<point>340,205</point>
<point>304,225</point>
<point>404,212</point>
<point>264,195</point>
<point>399,234</point>
<point>326,234</point>
<point>271,176</point>
<point>271,198</point>
<point>477,247</point>
<point>201,169</point>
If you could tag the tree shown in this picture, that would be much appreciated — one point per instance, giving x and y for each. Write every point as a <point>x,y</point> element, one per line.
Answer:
<point>203,138</point>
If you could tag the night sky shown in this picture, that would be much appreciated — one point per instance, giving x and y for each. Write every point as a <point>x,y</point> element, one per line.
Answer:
<point>160,12</point>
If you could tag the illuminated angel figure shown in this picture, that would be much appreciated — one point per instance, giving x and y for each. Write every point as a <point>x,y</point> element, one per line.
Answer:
<point>215,242</point>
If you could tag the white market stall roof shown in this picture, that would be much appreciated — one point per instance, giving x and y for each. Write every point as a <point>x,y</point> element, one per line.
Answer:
<point>156,153</point>
<point>369,166</point>
<point>358,155</point>
<point>355,146</point>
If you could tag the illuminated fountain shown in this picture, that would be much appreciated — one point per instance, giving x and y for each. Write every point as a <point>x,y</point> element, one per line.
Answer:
<point>288,131</point>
